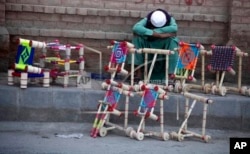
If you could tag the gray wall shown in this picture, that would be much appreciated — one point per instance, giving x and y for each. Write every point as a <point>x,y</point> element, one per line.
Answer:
<point>95,23</point>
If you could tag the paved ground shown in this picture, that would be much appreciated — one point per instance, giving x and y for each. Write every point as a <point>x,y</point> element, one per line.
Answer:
<point>33,137</point>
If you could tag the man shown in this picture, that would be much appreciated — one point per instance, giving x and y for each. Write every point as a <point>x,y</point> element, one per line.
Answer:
<point>157,30</point>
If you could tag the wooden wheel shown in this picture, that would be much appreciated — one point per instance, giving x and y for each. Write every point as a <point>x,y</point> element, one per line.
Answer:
<point>214,89</point>
<point>132,134</point>
<point>180,137</point>
<point>207,138</point>
<point>177,86</point>
<point>139,136</point>
<point>165,136</point>
<point>173,135</point>
<point>207,88</point>
<point>128,131</point>
<point>103,131</point>
<point>222,91</point>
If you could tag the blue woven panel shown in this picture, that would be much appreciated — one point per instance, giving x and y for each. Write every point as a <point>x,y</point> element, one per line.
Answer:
<point>24,55</point>
<point>112,97</point>
<point>119,53</point>
<point>149,98</point>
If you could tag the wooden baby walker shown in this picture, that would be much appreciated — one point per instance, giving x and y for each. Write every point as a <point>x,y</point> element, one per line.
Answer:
<point>183,131</point>
<point>24,67</point>
<point>57,61</point>
<point>107,107</point>
<point>150,93</point>
<point>114,90</point>
<point>186,64</point>
<point>222,60</point>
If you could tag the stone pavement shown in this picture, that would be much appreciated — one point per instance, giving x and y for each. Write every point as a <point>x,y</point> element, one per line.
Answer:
<point>41,138</point>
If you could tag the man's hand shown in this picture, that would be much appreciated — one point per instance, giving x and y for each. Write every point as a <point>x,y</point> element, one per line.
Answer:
<point>163,35</point>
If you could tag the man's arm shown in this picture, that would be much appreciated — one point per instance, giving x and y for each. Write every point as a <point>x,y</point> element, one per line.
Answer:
<point>164,32</point>
<point>140,29</point>
<point>163,35</point>
<point>171,28</point>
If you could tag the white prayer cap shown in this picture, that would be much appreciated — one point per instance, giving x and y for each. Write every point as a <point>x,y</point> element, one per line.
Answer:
<point>158,19</point>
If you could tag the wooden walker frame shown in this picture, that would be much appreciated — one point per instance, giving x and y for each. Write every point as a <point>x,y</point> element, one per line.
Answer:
<point>66,62</point>
<point>142,89</point>
<point>186,64</point>
<point>145,89</point>
<point>146,110</point>
<point>183,131</point>
<point>29,71</point>
<point>105,109</point>
<point>24,67</point>
<point>218,87</point>
<point>149,94</point>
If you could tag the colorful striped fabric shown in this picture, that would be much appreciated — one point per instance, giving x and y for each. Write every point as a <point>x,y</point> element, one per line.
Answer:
<point>149,98</point>
<point>222,58</point>
<point>119,53</point>
<point>24,55</point>
<point>188,56</point>
<point>111,100</point>
<point>112,97</point>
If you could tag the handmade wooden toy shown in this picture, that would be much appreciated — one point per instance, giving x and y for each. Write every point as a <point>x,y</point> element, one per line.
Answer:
<point>147,74</point>
<point>26,49</point>
<point>150,90</point>
<point>24,68</point>
<point>186,64</point>
<point>118,57</point>
<point>183,131</point>
<point>108,107</point>
<point>114,90</point>
<point>149,95</point>
<point>222,60</point>
<point>66,62</point>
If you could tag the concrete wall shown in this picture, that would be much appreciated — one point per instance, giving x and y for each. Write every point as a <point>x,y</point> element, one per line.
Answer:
<point>2,12</point>
<point>4,38</point>
<point>111,19</point>
<point>79,105</point>
<point>96,22</point>
<point>239,32</point>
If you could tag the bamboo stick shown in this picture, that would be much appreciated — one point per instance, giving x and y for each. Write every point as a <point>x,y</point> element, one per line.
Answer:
<point>166,70</point>
<point>186,112</point>
<point>132,69</point>
<point>187,116</point>
<point>239,72</point>
<point>157,51</point>
<point>161,116</point>
<point>198,98</point>
<point>151,67</point>
<point>204,119</point>
<point>146,68</point>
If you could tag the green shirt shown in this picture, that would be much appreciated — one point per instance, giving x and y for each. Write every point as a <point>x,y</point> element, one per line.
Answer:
<point>142,39</point>
<point>140,29</point>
